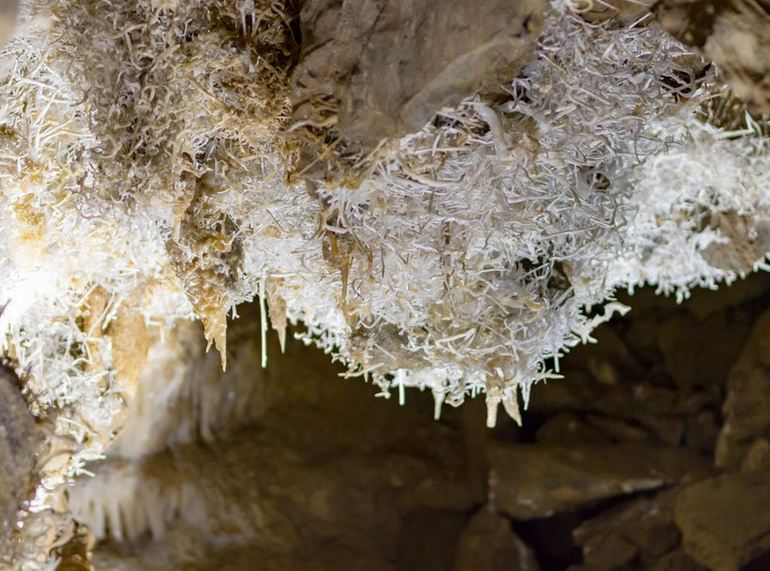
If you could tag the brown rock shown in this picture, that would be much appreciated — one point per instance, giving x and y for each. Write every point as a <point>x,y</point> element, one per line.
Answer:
<point>643,528</point>
<point>747,407</point>
<point>532,481</point>
<point>675,561</point>
<point>758,457</point>
<point>566,428</point>
<point>739,44</point>
<point>622,12</point>
<point>556,395</point>
<point>748,240</point>
<point>702,431</point>
<point>325,478</point>
<point>613,362</point>
<point>684,339</point>
<point>489,544</point>
<point>725,521</point>
<point>619,430</point>
<point>426,540</point>
<point>625,401</point>
<point>19,440</point>
<point>705,302</point>
<point>607,552</point>
<point>692,21</point>
<point>668,429</point>
<point>8,12</point>
<point>390,65</point>
<point>732,33</point>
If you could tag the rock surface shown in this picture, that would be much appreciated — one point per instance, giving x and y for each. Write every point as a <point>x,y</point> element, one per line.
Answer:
<point>748,399</point>
<point>725,521</point>
<point>19,441</point>
<point>636,534</point>
<point>8,11</point>
<point>733,34</point>
<point>391,64</point>
<point>489,544</point>
<point>533,481</point>
<point>327,478</point>
<point>321,476</point>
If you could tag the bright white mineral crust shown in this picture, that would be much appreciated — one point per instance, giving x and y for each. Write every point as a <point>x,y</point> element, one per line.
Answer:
<point>144,186</point>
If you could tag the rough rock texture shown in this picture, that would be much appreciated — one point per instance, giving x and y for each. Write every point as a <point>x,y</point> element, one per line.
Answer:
<point>618,12</point>
<point>489,544</point>
<point>390,65</point>
<point>748,399</point>
<point>19,441</point>
<point>8,10</point>
<point>637,532</point>
<point>536,481</point>
<point>758,457</point>
<point>725,521</point>
<point>475,253</point>
<point>319,476</point>
<point>746,240</point>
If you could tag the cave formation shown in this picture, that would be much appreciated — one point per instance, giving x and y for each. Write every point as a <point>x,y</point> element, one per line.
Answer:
<point>385,284</point>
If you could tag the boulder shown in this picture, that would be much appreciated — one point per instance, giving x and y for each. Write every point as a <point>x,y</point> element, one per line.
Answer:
<point>642,529</point>
<point>746,409</point>
<point>725,521</point>
<point>489,544</point>
<point>534,481</point>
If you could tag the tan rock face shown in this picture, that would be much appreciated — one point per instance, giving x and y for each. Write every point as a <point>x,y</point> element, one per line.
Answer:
<point>8,9</point>
<point>725,521</point>
<point>19,440</point>
<point>391,65</point>
<point>748,399</point>
<point>732,33</point>
<point>537,481</point>
<point>489,544</point>
<point>747,242</point>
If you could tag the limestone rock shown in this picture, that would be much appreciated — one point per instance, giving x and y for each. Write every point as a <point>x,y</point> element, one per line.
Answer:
<point>489,544</point>
<point>677,560</point>
<point>642,529</point>
<point>18,445</point>
<point>702,431</point>
<point>391,65</point>
<point>565,428</point>
<point>748,399</point>
<point>683,338</point>
<point>531,481</point>
<point>324,478</point>
<point>733,34</point>
<point>725,521</point>
<point>619,12</point>
<point>747,240</point>
<point>8,11</point>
